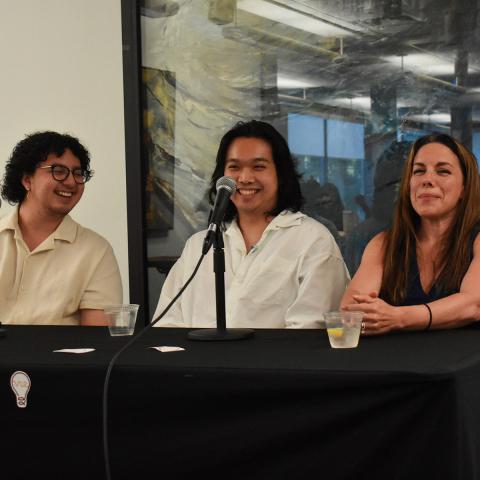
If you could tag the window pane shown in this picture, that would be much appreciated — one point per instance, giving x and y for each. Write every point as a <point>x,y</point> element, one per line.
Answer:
<point>345,139</point>
<point>306,135</point>
<point>349,83</point>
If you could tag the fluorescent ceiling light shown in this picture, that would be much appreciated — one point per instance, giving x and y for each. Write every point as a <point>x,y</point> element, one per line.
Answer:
<point>410,103</point>
<point>423,63</point>
<point>433,118</point>
<point>287,81</point>
<point>354,103</point>
<point>291,18</point>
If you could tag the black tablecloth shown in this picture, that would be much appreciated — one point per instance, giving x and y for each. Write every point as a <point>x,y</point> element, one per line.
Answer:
<point>280,405</point>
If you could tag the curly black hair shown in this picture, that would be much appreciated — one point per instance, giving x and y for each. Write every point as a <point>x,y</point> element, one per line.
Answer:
<point>289,193</point>
<point>30,152</point>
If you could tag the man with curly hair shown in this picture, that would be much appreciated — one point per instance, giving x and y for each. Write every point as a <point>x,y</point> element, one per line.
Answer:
<point>52,270</point>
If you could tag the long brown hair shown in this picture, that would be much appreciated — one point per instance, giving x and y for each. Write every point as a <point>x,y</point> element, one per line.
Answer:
<point>401,238</point>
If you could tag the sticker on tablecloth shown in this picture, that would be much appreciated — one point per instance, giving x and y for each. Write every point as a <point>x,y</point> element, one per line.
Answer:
<point>74,350</point>
<point>20,383</point>
<point>168,349</point>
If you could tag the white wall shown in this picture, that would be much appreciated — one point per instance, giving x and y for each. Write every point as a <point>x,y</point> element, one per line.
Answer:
<point>61,69</point>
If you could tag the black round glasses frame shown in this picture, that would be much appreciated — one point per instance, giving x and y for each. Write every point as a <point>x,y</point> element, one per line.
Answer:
<point>61,173</point>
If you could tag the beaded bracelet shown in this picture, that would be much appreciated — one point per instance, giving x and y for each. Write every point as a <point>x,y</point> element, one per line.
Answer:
<point>429,316</point>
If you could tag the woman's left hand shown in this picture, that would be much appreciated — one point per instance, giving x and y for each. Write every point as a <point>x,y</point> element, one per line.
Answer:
<point>379,316</point>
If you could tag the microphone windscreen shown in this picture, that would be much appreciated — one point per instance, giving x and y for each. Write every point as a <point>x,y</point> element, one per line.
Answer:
<point>226,182</point>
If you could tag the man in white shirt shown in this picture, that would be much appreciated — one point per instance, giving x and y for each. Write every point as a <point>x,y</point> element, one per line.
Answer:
<point>52,270</point>
<point>283,269</point>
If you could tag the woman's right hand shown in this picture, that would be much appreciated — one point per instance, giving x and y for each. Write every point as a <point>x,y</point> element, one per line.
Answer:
<point>379,316</point>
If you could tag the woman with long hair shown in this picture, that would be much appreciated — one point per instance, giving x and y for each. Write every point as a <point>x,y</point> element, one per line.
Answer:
<point>424,271</point>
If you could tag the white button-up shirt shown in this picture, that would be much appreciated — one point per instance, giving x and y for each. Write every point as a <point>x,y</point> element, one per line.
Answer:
<point>291,277</point>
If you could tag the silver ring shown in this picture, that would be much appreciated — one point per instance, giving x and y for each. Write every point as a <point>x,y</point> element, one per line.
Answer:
<point>363,326</point>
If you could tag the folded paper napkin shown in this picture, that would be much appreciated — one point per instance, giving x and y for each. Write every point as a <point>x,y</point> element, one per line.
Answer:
<point>168,349</point>
<point>75,350</point>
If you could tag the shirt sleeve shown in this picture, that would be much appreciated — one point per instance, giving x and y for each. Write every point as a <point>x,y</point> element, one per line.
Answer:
<point>105,284</point>
<point>172,285</point>
<point>323,278</point>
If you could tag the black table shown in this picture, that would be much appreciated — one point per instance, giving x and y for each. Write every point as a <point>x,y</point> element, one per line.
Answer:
<point>283,405</point>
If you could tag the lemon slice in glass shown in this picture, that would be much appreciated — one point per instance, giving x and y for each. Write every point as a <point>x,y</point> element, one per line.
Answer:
<point>335,332</point>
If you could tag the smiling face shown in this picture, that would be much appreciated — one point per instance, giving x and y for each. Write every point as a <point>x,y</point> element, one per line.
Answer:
<point>249,161</point>
<point>49,196</point>
<point>437,182</point>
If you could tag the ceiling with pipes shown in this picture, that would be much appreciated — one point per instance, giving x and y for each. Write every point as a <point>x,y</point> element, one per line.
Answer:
<point>337,54</point>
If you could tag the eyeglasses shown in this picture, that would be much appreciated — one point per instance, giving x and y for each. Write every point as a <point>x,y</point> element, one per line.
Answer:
<point>61,173</point>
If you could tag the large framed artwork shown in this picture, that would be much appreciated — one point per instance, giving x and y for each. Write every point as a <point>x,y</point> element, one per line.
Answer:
<point>159,148</point>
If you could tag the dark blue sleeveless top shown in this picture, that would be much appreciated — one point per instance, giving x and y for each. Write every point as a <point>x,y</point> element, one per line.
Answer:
<point>415,293</point>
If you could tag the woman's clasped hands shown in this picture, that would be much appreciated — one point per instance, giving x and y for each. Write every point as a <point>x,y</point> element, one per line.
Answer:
<point>379,316</point>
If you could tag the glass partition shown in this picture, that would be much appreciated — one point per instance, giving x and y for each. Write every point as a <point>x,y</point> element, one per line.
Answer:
<point>349,83</point>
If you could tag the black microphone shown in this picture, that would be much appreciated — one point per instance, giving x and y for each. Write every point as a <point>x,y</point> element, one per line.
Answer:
<point>226,187</point>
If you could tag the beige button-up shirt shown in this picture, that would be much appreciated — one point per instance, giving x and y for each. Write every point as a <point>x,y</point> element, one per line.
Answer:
<point>72,269</point>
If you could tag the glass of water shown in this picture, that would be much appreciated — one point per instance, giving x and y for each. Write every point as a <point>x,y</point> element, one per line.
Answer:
<point>121,319</point>
<point>343,328</point>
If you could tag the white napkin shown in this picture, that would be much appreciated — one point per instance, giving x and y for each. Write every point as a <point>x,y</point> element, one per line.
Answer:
<point>75,350</point>
<point>168,349</point>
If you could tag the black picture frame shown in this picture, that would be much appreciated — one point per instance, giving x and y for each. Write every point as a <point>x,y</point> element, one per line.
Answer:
<point>135,181</point>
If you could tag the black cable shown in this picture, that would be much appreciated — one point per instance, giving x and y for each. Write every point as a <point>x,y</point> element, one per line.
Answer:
<point>114,359</point>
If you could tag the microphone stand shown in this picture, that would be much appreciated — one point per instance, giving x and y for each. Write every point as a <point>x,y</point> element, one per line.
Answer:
<point>220,333</point>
